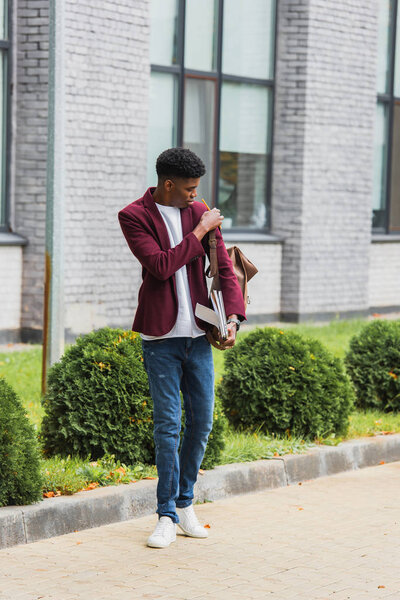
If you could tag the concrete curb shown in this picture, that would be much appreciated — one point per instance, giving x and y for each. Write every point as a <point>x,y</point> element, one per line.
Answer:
<point>65,514</point>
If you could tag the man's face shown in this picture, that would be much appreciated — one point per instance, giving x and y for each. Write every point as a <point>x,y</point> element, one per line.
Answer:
<point>182,192</point>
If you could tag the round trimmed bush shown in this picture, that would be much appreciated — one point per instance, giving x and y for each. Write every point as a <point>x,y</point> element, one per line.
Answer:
<point>373,363</point>
<point>21,479</point>
<point>280,382</point>
<point>98,402</point>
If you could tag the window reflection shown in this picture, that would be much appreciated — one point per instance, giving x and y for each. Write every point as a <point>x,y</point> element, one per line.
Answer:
<point>380,161</point>
<point>199,128</point>
<point>162,119</point>
<point>394,221</point>
<point>384,27</point>
<point>243,154</point>
<point>200,34</point>
<point>248,40</point>
<point>163,32</point>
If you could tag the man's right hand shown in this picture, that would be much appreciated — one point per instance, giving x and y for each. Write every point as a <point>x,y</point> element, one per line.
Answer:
<point>211,219</point>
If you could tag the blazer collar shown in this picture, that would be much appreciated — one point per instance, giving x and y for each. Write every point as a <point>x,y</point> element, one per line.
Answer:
<point>186,218</point>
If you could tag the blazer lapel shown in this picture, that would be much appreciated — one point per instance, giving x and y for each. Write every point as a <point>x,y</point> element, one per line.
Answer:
<point>157,220</point>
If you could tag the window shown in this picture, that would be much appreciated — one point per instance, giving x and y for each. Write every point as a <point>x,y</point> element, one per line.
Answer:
<point>212,91</point>
<point>4,93</point>
<point>386,194</point>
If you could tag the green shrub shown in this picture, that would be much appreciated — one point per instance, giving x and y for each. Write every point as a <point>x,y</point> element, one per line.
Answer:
<point>20,473</point>
<point>373,363</point>
<point>280,383</point>
<point>98,400</point>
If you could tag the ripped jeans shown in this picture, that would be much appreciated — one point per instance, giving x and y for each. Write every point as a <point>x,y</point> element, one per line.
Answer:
<point>174,364</point>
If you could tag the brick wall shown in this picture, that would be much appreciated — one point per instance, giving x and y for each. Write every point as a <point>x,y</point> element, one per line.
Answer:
<point>323,153</point>
<point>30,147</point>
<point>107,78</point>
<point>264,289</point>
<point>384,275</point>
<point>10,294</point>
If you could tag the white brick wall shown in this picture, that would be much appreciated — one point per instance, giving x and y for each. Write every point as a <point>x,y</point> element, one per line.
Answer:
<point>30,140</point>
<point>10,294</point>
<point>384,274</point>
<point>265,287</point>
<point>107,78</point>
<point>324,124</point>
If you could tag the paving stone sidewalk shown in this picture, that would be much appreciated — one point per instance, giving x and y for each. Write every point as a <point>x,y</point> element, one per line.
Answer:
<point>335,537</point>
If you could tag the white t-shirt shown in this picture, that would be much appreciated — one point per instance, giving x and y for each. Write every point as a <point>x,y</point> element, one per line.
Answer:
<point>185,325</point>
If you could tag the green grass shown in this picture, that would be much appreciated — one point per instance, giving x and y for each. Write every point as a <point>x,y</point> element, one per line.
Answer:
<point>23,371</point>
<point>66,476</point>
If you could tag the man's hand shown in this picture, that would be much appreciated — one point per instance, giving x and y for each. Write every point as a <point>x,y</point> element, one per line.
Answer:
<point>220,343</point>
<point>211,219</point>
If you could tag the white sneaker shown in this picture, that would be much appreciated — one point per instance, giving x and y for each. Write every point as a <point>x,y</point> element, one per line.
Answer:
<point>189,524</point>
<point>164,533</point>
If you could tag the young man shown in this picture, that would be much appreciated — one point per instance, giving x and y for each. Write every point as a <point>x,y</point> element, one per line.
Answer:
<point>167,232</point>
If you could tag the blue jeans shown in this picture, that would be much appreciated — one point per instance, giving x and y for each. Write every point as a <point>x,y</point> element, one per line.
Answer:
<point>175,364</point>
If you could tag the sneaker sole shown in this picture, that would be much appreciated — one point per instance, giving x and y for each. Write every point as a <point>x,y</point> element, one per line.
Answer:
<point>155,545</point>
<point>199,537</point>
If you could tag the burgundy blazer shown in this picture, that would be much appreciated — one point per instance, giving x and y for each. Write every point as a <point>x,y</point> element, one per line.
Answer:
<point>147,237</point>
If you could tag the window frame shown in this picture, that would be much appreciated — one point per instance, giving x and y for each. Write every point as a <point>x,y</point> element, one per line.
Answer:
<point>388,100</point>
<point>5,135</point>
<point>219,78</point>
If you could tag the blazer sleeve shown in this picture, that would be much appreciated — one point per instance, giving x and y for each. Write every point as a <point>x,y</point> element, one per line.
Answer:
<point>160,263</point>
<point>231,292</point>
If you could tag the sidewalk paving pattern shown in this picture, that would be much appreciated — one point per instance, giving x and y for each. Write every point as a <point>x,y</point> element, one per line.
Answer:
<point>335,538</point>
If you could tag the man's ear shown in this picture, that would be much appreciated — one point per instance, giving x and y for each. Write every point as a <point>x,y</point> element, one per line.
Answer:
<point>168,185</point>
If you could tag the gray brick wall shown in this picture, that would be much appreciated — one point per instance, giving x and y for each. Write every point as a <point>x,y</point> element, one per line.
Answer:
<point>107,78</point>
<point>30,147</point>
<point>323,152</point>
<point>384,275</point>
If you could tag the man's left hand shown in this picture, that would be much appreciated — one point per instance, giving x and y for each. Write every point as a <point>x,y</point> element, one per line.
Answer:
<point>222,344</point>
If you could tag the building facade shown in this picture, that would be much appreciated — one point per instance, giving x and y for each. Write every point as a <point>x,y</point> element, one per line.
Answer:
<point>294,106</point>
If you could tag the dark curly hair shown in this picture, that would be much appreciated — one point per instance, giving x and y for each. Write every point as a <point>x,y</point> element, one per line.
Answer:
<point>179,162</point>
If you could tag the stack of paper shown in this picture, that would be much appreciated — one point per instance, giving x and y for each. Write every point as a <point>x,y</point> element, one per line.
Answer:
<point>217,316</point>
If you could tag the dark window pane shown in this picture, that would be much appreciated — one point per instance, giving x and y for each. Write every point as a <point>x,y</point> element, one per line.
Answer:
<point>163,32</point>
<point>199,128</point>
<point>394,218</point>
<point>244,146</point>
<point>248,38</point>
<point>200,34</point>
<point>380,166</point>
<point>162,119</point>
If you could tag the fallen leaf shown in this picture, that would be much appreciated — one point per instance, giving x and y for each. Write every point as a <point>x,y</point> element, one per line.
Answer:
<point>300,508</point>
<point>276,453</point>
<point>48,494</point>
<point>207,526</point>
<point>120,470</point>
<point>91,486</point>
<point>300,483</point>
<point>381,586</point>
<point>382,462</point>
<point>77,543</point>
<point>201,471</point>
<point>149,477</point>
